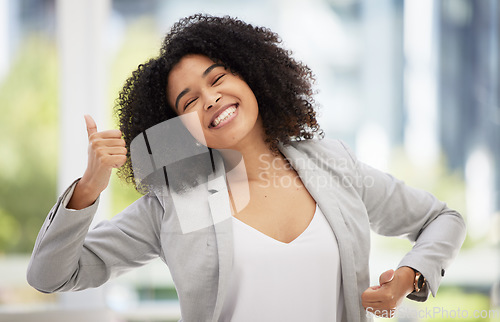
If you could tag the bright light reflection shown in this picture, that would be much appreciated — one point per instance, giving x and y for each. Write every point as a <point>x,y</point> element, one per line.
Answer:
<point>479,174</point>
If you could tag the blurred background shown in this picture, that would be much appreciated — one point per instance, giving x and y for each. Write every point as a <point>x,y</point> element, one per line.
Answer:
<point>412,86</point>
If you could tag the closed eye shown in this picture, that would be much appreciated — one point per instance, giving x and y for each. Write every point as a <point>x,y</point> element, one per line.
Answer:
<point>189,103</point>
<point>217,79</point>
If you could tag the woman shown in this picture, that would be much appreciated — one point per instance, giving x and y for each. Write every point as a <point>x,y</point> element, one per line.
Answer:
<point>298,248</point>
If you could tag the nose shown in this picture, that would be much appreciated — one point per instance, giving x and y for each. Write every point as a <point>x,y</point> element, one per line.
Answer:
<point>212,101</point>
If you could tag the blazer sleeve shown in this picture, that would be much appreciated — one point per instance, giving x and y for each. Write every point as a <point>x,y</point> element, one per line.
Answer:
<point>67,256</point>
<point>395,209</point>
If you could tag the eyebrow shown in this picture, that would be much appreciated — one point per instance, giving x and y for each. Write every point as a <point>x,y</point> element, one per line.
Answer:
<point>209,69</point>
<point>185,91</point>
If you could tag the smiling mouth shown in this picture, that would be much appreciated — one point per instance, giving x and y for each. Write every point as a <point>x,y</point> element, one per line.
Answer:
<point>227,115</point>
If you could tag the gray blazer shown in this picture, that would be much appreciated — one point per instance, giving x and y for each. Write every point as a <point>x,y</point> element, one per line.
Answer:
<point>353,196</point>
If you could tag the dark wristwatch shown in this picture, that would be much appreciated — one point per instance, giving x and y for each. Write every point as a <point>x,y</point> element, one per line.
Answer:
<point>418,282</point>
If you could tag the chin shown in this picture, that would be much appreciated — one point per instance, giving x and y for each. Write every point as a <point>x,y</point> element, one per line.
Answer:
<point>221,146</point>
<point>231,138</point>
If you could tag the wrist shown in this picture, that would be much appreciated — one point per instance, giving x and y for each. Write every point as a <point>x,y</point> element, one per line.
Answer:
<point>84,195</point>
<point>407,276</point>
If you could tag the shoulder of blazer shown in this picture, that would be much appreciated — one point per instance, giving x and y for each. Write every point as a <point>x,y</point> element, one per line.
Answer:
<point>325,148</point>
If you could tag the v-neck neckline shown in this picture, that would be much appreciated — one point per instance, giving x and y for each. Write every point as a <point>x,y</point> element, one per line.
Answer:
<point>276,240</point>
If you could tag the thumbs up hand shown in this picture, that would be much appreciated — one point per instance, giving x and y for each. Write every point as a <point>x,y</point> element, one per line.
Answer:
<point>106,150</point>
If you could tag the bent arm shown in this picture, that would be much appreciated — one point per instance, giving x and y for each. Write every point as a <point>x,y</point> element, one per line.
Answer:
<point>434,250</point>
<point>67,256</point>
<point>396,209</point>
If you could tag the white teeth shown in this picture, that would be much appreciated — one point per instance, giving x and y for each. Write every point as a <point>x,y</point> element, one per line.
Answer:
<point>224,115</point>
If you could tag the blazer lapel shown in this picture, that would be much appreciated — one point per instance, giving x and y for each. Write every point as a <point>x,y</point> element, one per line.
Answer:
<point>324,192</point>
<point>218,201</point>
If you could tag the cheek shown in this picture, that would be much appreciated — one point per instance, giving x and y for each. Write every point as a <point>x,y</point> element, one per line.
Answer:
<point>253,106</point>
<point>192,122</point>
<point>251,99</point>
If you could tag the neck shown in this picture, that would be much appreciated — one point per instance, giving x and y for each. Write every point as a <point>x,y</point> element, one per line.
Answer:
<point>260,162</point>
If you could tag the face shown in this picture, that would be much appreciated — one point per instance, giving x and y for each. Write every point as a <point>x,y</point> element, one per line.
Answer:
<point>223,102</point>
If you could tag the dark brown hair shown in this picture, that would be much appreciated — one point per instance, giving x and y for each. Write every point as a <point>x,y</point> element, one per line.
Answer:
<point>282,85</point>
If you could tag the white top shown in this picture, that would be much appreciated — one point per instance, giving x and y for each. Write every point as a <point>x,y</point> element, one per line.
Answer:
<point>275,281</point>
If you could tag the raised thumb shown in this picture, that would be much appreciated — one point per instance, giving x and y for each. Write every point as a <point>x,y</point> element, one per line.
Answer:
<point>386,276</point>
<point>90,123</point>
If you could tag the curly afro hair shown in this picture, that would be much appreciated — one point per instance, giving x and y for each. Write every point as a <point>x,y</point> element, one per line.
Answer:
<point>282,85</point>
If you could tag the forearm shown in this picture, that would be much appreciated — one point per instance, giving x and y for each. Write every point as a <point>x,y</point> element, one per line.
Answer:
<point>59,245</point>
<point>436,247</point>
<point>67,256</point>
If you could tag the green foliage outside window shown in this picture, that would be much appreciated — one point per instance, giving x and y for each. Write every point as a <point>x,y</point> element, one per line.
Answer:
<point>29,147</point>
